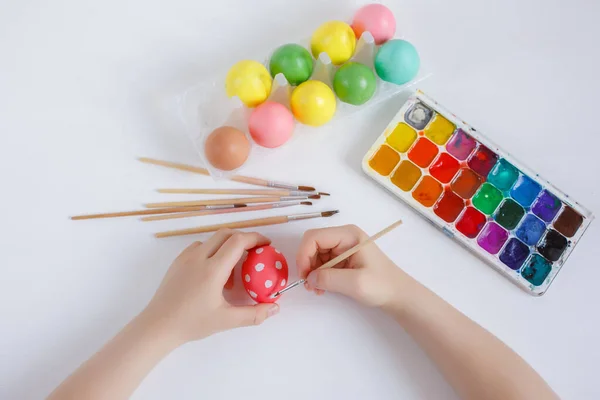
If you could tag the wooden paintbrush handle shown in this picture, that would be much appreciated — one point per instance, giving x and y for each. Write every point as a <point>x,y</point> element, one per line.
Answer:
<point>237,178</point>
<point>231,225</point>
<point>163,217</point>
<point>202,171</point>
<point>174,165</point>
<point>247,192</point>
<point>136,213</point>
<point>217,202</point>
<point>207,212</point>
<point>249,180</point>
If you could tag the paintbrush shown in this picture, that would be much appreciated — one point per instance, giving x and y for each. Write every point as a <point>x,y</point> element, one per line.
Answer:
<point>246,224</point>
<point>247,192</point>
<point>267,206</point>
<point>237,178</point>
<point>167,210</point>
<point>335,261</point>
<point>239,200</point>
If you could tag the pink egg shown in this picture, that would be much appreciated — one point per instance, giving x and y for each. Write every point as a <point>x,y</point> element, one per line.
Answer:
<point>264,272</point>
<point>376,19</point>
<point>271,124</point>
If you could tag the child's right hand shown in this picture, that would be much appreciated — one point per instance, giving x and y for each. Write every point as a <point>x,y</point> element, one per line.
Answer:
<point>367,276</point>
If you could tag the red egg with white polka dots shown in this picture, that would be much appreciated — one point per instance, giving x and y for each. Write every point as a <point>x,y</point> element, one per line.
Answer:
<point>264,272</point>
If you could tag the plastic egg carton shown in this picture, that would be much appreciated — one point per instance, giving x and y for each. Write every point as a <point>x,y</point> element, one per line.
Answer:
<point>205,106</point>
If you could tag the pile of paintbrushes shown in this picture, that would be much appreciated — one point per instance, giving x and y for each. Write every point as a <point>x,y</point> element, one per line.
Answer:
<point>281,195</point>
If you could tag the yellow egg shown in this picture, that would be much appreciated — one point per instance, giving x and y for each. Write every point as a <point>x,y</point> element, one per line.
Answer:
<point>250,81</point>
<point>313,103</point>
<point>335,38</point>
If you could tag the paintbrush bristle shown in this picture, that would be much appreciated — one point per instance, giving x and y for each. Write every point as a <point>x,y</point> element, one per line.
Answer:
<point>324,194</point>
<point>329,213</point>
<point>306,188</point>
<point>314,196</point>
<point>306,203</point>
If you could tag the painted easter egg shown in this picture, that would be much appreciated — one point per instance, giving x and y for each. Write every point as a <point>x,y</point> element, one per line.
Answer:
<point>335,38</point>
<point>293,61</point>
<point>271,124</point>
<point>227,148</point>
<point>313,103</point>
<point>376,19</point>
<point>354,83</point>
<point>397,61</point>
<point>250,81</point>
<point>264,272</point>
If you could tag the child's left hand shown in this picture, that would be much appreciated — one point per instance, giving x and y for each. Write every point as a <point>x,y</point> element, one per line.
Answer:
<point>189,302</point>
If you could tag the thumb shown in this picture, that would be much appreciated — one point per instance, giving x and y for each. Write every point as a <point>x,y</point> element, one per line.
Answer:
<point>334,280</point>
<point>251,315</point>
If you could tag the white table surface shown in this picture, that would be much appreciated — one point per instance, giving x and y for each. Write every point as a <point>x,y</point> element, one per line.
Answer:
<point>82,88</point>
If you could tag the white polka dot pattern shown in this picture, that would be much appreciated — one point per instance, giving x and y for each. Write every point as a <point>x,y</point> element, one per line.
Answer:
<point>264,272</point>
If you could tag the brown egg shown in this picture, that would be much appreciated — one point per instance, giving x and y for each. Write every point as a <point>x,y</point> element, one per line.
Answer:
<point>227,148</point>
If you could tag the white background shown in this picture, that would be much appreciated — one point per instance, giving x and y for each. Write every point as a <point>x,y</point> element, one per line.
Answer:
<point>82,92</point>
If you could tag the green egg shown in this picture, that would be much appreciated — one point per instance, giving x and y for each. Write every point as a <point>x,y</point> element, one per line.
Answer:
<point>397,61</point>
<point>354,83</point>
<point>293,61</point>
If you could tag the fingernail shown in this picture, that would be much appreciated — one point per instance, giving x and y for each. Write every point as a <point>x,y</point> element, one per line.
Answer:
<point>273,310</point>
<point>312,280</point>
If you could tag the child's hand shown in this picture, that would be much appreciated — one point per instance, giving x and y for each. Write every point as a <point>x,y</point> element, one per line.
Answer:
<point>190,302</point>
<point>367,276</point>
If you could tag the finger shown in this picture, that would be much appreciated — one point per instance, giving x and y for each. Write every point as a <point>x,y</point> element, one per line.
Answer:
<point>344,281</point>
<point>188,251</point>
<point>250,315</point>
<point>307,287</point>
<point>214,243</point>
<point>194,245</point>
<point>337,240</point>
<point>229,283</point>
<point>233,249</point>
<point>191,248</point>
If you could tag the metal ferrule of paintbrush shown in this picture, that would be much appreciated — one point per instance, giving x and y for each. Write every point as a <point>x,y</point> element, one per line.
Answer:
<point>287,186</point>
<point>298,217</point>
<point>302,193</point>
<point>299,197</point>
<point>224,206</point>
<point>289,203</point>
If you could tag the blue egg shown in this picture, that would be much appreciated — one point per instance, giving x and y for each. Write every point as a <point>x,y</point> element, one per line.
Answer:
<point>397,61</point>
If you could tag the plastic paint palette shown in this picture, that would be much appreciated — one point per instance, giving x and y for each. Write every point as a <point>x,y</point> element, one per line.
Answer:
<point>477,193</point>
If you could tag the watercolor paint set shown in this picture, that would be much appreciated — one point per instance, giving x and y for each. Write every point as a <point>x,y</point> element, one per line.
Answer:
<point>477,193</point>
